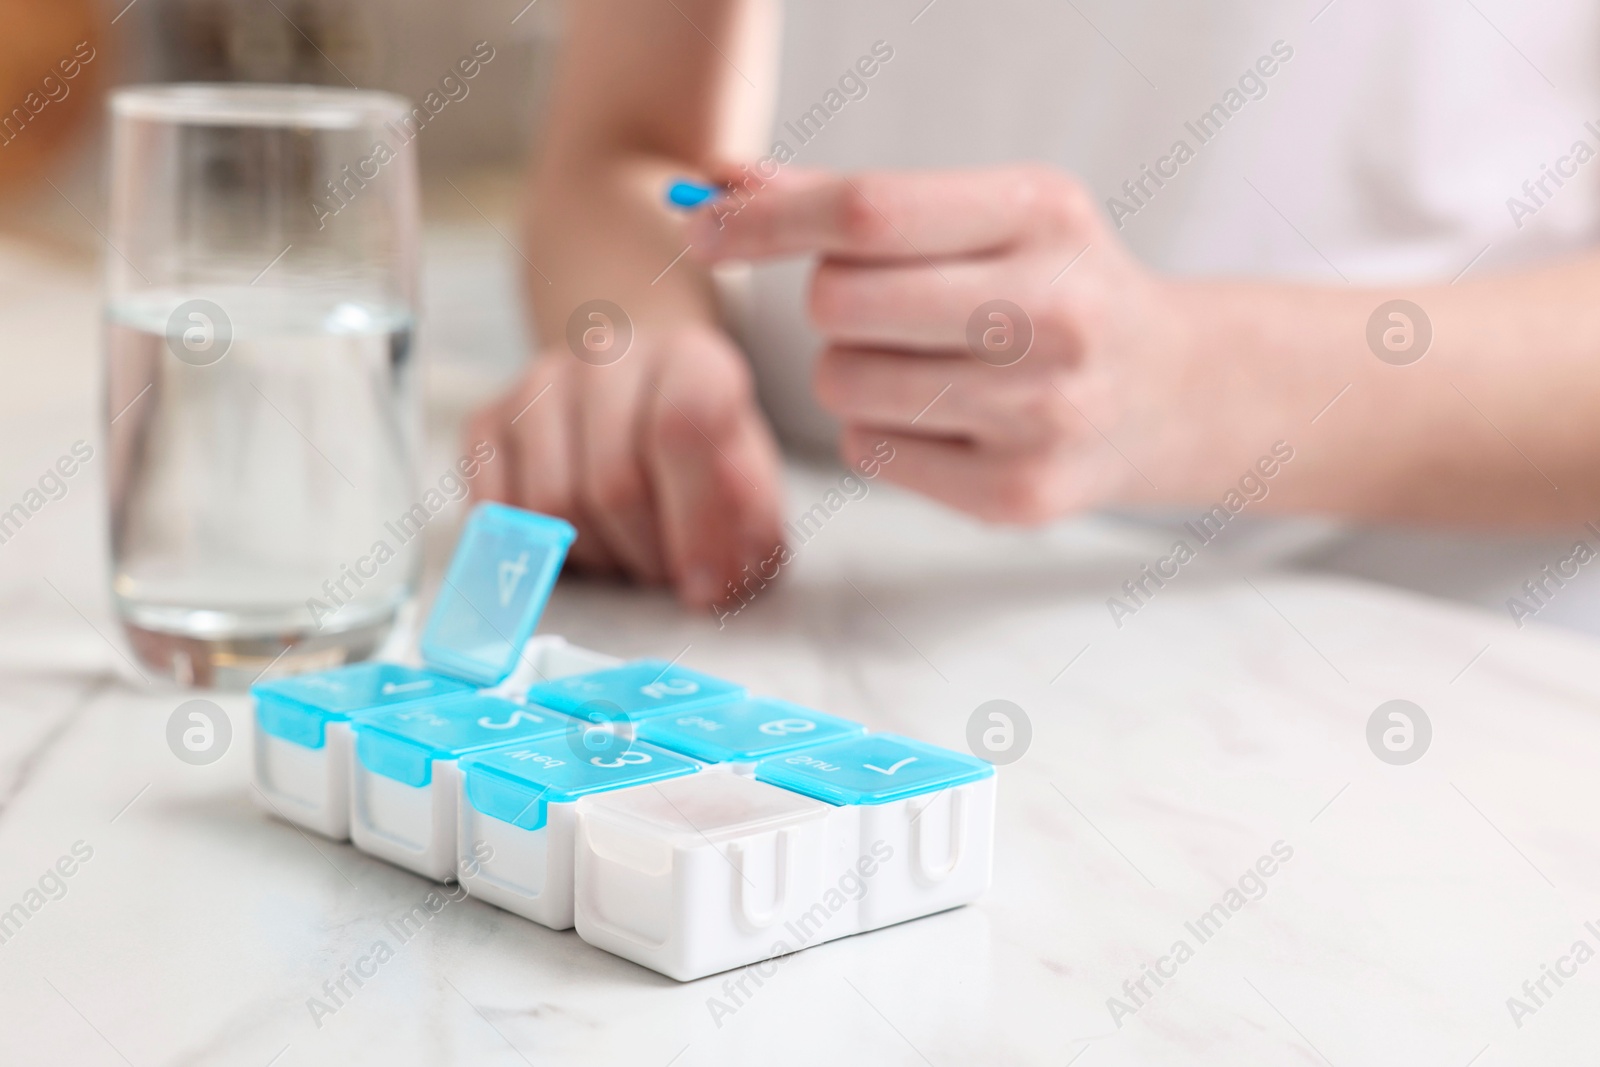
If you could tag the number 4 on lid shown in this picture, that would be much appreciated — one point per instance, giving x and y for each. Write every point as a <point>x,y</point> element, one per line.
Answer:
<point>494,592</point>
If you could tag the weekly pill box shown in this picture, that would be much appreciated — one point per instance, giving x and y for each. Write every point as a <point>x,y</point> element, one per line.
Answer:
<point>403,777</point>
<point>517,813</point>
<point>478,634</point>
<point>718,871</point>
<point>671,816</point>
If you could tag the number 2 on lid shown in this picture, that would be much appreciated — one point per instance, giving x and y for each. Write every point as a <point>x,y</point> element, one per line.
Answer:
<point>676,687</point>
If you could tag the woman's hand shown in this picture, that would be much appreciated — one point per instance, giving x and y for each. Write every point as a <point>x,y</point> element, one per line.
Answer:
<point>993,328</point>
<point>661,460</point>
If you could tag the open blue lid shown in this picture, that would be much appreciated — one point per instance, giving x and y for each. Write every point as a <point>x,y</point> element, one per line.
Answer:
<point>402,743</point>
<point>874,769</point>
<point>494,591</point>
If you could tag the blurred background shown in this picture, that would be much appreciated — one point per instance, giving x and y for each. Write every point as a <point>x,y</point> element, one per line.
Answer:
<point>53,223</point>
<point>472,336</point>
<point>51,178</point>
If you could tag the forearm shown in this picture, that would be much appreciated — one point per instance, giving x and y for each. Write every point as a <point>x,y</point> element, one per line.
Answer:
<point>645,93</point>
<point>596,229</point>
<point>1499,422</point>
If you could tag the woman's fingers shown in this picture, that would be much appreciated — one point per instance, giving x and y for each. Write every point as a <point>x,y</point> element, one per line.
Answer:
<point>613,486</point>
<point>922,306</point>
<point>948,395</point>
<point>666,468</point>
<point>889,215</point>
<point>1024,488</point>
<point>533,467</point>
<point>715,469</point>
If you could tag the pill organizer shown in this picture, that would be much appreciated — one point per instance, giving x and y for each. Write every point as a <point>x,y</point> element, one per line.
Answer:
<point>672,817</point>
<point>403,779</point>
<point>720,871</point>
<point>302,735</point>
<point>478,634</point>
<point>706,873</point>
<point>518,814</point>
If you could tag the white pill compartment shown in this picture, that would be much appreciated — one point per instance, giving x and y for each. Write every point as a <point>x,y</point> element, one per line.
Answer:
<point>699,874</point>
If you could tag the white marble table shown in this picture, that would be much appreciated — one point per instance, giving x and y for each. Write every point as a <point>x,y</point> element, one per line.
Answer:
<point>1167,758</point>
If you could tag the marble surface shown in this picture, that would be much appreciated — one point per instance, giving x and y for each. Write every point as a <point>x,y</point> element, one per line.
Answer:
<point>1224,720</point>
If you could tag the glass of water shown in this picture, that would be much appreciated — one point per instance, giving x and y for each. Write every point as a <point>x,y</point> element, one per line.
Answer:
<point>261,281</point>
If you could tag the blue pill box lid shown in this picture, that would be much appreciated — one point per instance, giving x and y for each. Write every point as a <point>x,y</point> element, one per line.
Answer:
<point>517,783</point>
<point>402,743</point>
<point>298,708</point>
<point>745,730</point>
<point>494,591</point>
<point>874,769</point>
<point>634,691</point>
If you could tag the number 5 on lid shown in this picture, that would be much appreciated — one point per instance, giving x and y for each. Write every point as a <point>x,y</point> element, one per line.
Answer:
<point>494,592</point>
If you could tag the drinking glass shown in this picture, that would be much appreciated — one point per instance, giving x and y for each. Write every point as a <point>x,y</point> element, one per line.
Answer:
<point>261,286</point>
